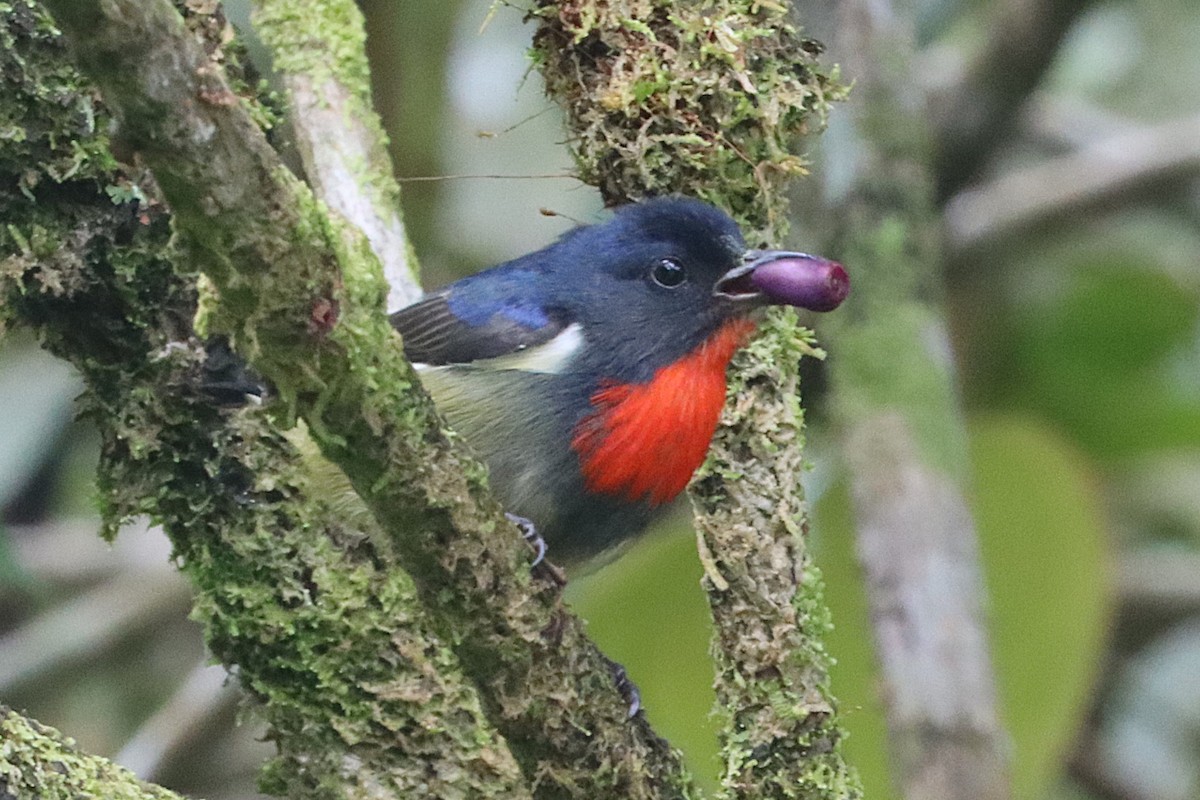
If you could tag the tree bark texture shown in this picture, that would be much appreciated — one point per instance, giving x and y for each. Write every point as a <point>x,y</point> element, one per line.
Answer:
<point>39,763</point>
<point>320,626</point>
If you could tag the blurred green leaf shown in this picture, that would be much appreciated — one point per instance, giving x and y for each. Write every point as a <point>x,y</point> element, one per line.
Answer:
<point>1100,358</point>
<point>648,612</point>
<point>1044,549</point>
<point>1117,312</point>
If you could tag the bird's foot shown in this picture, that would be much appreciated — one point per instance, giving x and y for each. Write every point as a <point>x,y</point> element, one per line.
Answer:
<point>627,688</point>
<point>535,540</point>
<point>529,534</point>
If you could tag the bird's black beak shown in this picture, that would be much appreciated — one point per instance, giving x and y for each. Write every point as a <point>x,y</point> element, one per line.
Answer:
<point>784,278</point>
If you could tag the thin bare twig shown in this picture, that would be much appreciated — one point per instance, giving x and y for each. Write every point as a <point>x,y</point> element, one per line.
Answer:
<point>1022,200</point>
<point>87,624</point>
<point>202,694</point>
<point>979,111</point>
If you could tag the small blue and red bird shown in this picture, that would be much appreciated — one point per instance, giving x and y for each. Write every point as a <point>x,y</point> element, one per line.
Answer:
<point>590,375</point>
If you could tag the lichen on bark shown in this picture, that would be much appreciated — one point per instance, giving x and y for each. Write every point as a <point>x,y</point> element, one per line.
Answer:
<point>781,736</point>
<point>39,763</point>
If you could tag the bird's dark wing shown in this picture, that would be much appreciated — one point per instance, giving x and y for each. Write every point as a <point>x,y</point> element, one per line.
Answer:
<point>435,334</point>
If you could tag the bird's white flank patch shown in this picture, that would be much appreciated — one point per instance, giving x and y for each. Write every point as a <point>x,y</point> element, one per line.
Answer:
<point>550,358</point>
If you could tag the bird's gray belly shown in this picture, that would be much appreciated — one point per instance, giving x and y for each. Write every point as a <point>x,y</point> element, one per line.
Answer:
<point>532,468</point>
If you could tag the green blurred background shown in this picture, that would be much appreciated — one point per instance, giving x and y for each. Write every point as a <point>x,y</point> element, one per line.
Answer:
<point>1078,343</point>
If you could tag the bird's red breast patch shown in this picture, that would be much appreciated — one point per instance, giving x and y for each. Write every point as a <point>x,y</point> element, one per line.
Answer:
<point>644,440</point>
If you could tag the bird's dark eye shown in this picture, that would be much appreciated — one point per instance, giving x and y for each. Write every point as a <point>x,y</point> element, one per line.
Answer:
<point>668,273</point>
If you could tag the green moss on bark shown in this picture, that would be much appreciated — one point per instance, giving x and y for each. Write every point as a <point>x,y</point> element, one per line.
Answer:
<point>709,100</point>
<point>360,695</point>
<point>303,303</point>
<point>781,736</point>
<point>39,763</point>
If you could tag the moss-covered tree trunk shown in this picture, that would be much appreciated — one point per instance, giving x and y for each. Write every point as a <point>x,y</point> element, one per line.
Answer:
<point>710,100</point>
<point>354,684</point>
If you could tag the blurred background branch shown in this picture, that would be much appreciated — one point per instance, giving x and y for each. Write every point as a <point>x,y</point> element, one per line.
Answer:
<point>898,423</point>
<point>1119,167</point>
<point>978,110</point>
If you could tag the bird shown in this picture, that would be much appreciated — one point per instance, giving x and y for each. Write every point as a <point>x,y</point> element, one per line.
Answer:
<point>589,376</point>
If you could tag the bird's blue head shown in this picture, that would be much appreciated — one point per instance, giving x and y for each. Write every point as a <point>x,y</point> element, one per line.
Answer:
<point>660,277</point>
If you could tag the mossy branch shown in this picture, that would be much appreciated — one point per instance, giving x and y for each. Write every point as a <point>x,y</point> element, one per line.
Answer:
<point>357,690</point>
<point>37,762</point>
<point>710,100</point>
<point>318,51</point>
<point>300,295</point>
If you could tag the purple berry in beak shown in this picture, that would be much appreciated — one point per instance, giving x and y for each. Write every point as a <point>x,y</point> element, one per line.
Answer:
<point>780,277</point>
<point>796,279</point>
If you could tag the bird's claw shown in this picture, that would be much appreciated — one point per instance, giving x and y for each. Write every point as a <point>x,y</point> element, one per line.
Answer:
<point>627,688</point>
<point>534,539</point>
<point>226,380</point>
<point>530,534</point>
